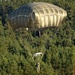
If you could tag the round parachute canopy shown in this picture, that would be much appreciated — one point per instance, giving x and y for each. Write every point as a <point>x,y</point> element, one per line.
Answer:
<point>36,15</point>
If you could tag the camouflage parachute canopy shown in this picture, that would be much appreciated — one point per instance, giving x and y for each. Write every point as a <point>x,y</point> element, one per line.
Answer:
<point>36,15</point>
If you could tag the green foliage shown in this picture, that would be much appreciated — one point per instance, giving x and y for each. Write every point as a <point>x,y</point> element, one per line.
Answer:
<point>57,45</point>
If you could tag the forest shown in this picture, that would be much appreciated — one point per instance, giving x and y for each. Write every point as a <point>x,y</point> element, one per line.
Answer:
<point>18,47</point>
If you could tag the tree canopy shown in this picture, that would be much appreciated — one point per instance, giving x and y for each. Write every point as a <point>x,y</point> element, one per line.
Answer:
<point>18,47</point>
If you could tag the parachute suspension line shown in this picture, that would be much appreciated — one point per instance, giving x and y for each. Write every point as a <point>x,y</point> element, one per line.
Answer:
<point>37,56</point>
<point>39,33</point>
<point>57,30</point>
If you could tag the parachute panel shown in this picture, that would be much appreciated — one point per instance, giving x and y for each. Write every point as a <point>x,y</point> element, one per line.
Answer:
<point>37,15</point>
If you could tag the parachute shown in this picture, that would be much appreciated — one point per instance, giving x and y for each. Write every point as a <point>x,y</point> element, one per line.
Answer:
<point>36,15</point>
<point>37,54</point>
